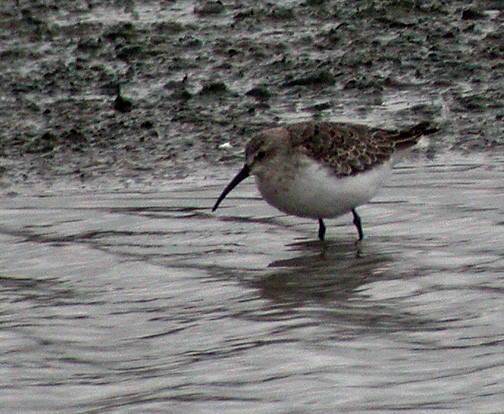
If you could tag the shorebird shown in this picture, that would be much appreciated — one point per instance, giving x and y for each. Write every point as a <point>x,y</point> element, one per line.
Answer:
<point>323,169</point>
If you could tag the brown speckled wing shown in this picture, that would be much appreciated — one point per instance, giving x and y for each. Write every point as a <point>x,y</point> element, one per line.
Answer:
<point>347,148</point>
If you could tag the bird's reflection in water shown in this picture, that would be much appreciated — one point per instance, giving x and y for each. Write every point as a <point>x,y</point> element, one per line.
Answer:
<point>331,282</point>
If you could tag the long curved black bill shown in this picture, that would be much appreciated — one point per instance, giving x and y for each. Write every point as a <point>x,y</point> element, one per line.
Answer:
<point>244,173</point>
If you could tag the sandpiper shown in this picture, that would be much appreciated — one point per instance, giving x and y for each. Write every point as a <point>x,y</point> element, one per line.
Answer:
<point>323,169</point>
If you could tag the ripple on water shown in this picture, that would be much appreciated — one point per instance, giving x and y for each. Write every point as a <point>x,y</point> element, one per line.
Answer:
<point>144,301</point>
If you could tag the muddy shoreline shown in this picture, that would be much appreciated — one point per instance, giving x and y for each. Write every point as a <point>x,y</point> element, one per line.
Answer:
<point>197,78</point>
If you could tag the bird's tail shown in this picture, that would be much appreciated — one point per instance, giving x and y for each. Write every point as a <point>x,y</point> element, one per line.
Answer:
<point>409,137</point>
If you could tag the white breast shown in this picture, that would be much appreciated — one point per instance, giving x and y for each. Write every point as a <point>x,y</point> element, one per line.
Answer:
<point>312,190</point>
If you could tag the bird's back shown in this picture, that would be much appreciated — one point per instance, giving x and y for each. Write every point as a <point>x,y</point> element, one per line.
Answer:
<point>348,148</point>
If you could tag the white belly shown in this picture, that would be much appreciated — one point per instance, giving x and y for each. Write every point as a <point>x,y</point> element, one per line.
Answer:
<point>314,191</point>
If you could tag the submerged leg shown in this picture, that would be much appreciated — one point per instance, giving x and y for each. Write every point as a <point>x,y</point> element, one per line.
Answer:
<point>321,229</point>
<point>358,224</point>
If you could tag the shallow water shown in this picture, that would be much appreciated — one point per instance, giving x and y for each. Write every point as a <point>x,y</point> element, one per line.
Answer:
<point>145,301</point>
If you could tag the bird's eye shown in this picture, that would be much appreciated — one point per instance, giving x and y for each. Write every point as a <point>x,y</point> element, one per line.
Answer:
<point>260,155</point>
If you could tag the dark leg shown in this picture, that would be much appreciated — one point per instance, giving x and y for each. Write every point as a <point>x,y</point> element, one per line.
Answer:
<point>321,229</point>
<point>358,224</point>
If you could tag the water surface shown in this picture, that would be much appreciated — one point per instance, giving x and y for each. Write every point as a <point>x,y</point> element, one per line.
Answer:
<point>143,300</point>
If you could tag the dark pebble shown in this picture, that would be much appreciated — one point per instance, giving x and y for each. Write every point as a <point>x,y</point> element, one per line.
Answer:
<point>259,92</point>
<point>471,14</point>
<point>123,104</point>
<point>214,88</point>
<point>319,78</point>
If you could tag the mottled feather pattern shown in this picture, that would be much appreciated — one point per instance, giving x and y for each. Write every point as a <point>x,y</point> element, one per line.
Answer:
<point>349,149</point>
<point>290,166</point>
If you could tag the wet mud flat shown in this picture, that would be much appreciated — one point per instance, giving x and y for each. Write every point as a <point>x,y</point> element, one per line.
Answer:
<point>197,78</point>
